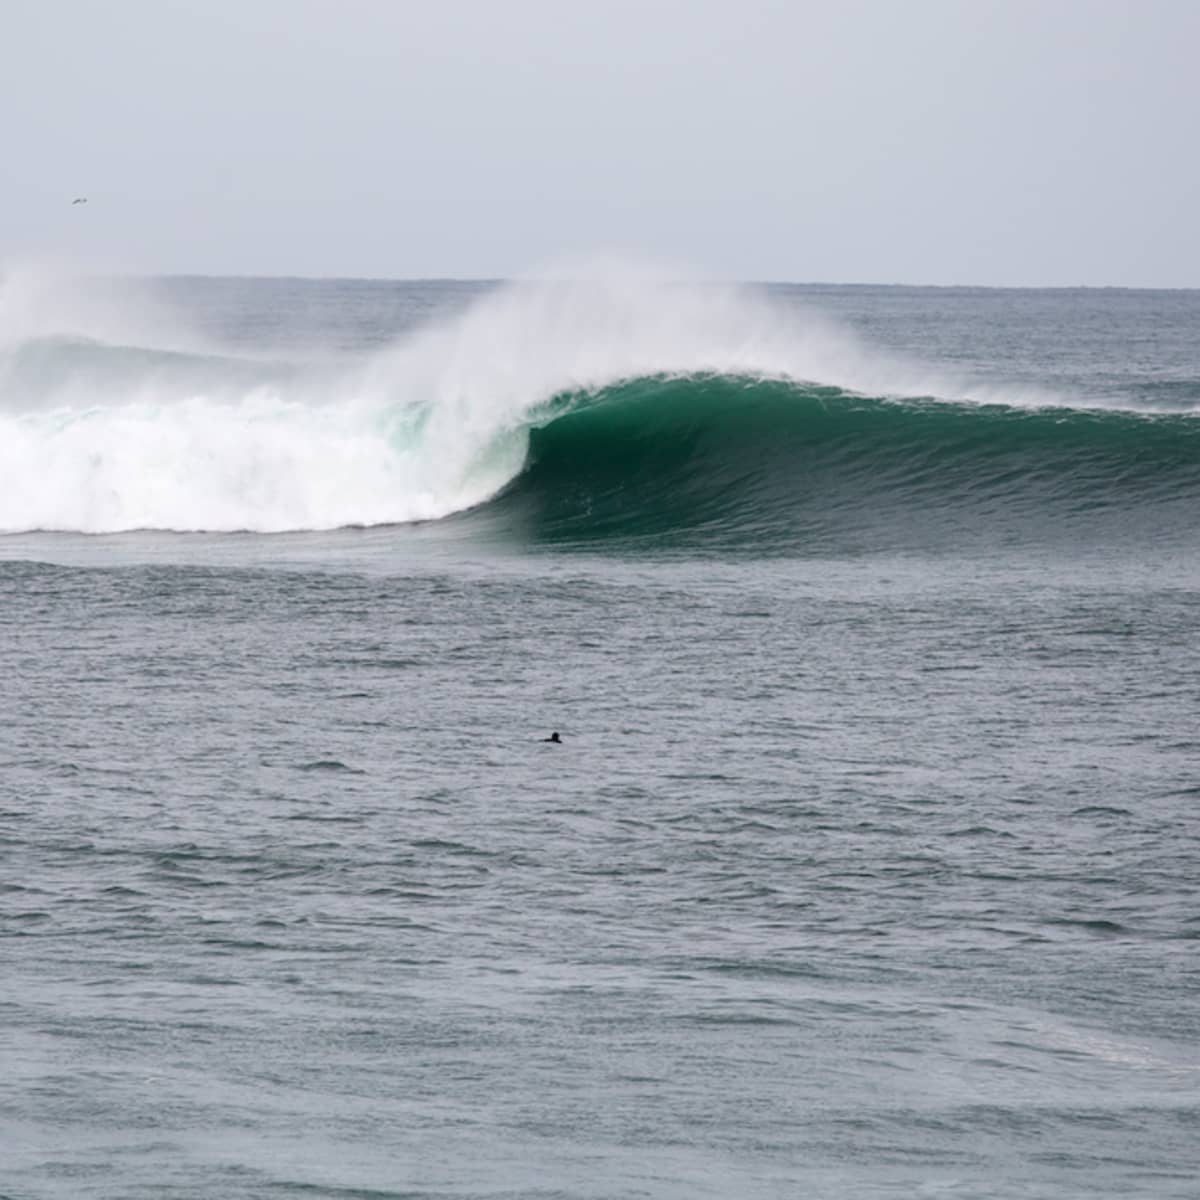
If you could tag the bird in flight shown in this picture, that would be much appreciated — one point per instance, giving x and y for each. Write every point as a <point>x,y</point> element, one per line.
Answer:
<point>79,200</point>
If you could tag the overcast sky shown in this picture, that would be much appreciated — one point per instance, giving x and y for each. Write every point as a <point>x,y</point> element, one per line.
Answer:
<point>1035,142</point>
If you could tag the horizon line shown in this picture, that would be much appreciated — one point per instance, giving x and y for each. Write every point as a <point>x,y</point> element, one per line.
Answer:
<point>496,280</point>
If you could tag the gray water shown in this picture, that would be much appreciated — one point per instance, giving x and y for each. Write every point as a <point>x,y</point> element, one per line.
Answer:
<point>856,875</point>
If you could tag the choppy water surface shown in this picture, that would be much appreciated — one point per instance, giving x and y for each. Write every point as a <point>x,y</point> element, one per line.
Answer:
<point>867,866</point>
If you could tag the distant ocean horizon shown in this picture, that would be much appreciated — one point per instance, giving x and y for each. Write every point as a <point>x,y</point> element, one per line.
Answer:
<point>588,271</point>
<point>869,619</point>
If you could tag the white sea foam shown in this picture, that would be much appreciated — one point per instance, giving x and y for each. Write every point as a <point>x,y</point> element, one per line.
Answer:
<point>134,438</point>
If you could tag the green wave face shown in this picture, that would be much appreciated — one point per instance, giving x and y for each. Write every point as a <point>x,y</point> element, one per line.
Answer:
<point>774,467</point>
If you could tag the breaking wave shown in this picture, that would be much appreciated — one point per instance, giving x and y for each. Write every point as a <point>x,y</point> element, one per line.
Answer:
<point>621,407</point>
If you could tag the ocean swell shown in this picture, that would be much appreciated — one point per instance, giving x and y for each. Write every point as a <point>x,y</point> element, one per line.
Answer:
<point>767,464</point>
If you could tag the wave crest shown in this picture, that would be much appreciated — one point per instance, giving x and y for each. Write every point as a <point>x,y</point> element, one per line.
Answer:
<point>769,465</point>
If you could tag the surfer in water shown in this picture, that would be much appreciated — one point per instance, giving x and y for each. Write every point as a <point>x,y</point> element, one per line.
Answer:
<point>554,738</point>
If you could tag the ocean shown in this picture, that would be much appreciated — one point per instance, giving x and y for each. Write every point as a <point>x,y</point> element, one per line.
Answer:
<point>869,619</point>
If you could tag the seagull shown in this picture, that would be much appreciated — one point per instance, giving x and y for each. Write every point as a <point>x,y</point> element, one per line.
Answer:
<point>79,200</point>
